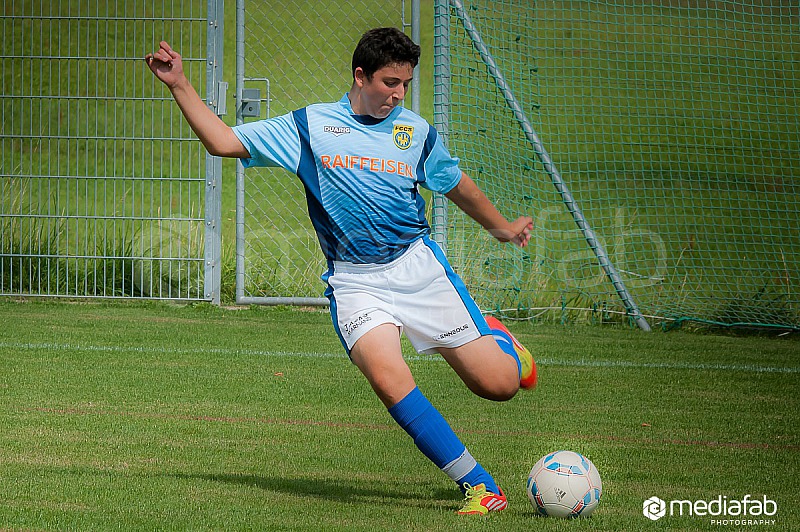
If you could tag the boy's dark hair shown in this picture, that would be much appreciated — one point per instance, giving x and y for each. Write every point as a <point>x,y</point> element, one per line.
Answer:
<point>380,47</point>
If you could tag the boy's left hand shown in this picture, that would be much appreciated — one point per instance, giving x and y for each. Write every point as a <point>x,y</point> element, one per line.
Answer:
<point>519,232</point>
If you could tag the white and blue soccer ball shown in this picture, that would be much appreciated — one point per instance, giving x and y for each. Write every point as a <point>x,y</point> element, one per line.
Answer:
<point>564,484</point>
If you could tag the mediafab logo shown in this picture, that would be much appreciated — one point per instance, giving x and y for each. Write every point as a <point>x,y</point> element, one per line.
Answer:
<point>748,510</point>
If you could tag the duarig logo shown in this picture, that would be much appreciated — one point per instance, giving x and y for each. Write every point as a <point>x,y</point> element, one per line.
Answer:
<point>747,511</point>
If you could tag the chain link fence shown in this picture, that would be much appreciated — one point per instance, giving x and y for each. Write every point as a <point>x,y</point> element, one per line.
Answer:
<point>290,55</point>
<point>673,145</point>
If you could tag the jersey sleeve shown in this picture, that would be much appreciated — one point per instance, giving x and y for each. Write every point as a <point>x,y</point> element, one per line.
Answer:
<point>271,142</point>
<point>441,169</point>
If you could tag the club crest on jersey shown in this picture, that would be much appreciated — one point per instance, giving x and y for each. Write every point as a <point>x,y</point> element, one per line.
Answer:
<point>402,136</point>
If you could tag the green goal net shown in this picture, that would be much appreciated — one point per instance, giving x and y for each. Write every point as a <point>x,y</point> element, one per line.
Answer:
<point>672,124</point>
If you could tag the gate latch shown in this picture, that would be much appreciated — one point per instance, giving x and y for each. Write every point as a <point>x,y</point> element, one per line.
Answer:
<point>251,103</point>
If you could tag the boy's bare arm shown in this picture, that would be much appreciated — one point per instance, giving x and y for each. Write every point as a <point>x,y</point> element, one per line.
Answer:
<point>216,135</point>
<point>470,199</point>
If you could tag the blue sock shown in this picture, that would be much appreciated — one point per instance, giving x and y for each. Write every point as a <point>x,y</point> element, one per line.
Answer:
<point>507,345</point>
<point>437,441</point>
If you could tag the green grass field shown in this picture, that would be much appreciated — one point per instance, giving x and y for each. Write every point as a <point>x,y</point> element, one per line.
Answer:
<point>153,417</point>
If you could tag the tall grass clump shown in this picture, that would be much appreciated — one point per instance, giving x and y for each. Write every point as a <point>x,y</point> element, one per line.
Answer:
<point>48,255</point>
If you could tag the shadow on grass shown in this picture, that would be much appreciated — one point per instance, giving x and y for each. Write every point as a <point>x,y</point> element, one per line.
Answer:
<point>339,490</point>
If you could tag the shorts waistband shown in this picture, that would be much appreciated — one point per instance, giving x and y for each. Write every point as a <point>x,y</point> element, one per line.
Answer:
<point>350,267</point>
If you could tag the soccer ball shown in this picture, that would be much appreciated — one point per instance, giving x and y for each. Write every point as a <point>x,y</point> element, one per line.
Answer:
<point>564,484</point>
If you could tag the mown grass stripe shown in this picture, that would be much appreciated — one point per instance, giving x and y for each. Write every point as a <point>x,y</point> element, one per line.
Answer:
<point>388,427</point>
<point>424,358</point>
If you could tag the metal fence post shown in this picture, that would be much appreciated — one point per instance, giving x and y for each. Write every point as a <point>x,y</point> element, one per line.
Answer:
<point>215,94</point>
<point>441,109</point>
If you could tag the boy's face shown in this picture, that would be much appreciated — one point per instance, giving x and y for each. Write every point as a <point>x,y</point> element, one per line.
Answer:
<point>385,90</point>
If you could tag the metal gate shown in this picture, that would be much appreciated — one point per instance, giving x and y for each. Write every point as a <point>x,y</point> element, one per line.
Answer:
<point>291,54</point>
<point>104,191</point>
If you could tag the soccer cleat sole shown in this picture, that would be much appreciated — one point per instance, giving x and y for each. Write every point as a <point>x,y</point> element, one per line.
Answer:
<point>530,380</point>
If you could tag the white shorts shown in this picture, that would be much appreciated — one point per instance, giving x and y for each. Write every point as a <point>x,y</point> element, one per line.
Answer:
<point>419,292</point>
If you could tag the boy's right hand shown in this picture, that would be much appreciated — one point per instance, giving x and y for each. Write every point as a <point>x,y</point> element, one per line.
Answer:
<point>166,64</point>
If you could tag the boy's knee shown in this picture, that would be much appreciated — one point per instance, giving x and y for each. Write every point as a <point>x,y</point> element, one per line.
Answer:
<point>501,395</point>
<point>498,388</point>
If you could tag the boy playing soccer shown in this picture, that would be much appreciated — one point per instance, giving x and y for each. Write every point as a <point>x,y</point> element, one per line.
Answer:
<point>361,161</point>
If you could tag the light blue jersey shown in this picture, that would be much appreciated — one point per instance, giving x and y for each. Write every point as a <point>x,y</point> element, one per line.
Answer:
<point>361,174</point>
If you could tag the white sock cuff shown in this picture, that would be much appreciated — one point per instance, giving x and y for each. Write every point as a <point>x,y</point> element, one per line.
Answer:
<point>460,467</point>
